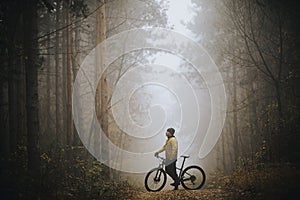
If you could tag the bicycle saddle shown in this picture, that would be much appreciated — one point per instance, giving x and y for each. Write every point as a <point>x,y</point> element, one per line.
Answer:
<point>185,156</point>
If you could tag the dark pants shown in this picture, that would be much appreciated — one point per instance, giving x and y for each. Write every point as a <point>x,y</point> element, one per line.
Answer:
<point>171,170</point>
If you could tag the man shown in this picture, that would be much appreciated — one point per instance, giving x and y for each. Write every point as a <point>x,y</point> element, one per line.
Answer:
<point>171,148</point>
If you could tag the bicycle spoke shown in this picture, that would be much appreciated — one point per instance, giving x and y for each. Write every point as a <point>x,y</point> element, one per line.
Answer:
<point>155,180</point>
<point>193,178</point>
<point>152,185</point>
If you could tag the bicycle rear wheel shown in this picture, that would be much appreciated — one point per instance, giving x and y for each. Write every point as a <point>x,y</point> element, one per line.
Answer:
<point>193,178</point>
<point>155,180</point>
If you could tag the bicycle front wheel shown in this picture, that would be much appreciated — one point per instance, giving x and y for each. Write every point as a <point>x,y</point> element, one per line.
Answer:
<point>155,180</point>
<point>193,178</point>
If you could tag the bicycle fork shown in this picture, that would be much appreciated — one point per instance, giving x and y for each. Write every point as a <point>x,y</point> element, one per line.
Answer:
<point>157,175</point>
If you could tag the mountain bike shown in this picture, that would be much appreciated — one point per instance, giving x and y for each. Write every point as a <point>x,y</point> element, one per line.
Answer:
<point>191,178</point>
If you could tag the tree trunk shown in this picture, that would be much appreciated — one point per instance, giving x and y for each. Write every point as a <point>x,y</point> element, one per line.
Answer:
<point>279,106</point>
<point>102,93</point>
<point>76,63</point>
<point>57,75</point>
<point>256,138</point>
<point>278,141</point>
<point>21,130</point>
<point>69,79</point>
<point>31,67</point>
<point>12,100</point>
<point>48,80</point>
<point>64,77</point>
<point>13,75</point>
<point>4,135</point>
<point>235,121</point>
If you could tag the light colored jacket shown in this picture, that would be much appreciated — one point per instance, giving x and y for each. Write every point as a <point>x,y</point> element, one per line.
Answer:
<point>171,148</point>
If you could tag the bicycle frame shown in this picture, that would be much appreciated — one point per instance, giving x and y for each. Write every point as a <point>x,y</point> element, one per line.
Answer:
<point>180,169</point>
<point>191,177</point>
<point>161,165</point>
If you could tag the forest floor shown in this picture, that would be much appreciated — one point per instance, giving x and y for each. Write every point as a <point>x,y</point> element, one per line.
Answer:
<point>183,194</point>
<point>269,182</point>
<point>209,194</point>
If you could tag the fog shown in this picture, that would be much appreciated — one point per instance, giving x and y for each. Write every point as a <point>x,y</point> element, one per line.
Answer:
<point>89,88</point>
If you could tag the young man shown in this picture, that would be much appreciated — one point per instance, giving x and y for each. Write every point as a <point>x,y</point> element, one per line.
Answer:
<point>171,148</point>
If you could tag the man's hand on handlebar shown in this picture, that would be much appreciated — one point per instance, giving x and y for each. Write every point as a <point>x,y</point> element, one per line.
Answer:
<point>156,154</point>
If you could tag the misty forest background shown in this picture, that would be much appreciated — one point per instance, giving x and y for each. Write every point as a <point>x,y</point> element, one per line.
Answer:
<point>255,44</point>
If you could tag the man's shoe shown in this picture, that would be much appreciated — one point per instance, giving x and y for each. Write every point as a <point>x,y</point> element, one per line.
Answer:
<point>174,184</point>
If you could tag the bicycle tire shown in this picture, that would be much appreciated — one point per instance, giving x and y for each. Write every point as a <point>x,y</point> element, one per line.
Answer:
<point>188,177</point>
<point>148,178</point>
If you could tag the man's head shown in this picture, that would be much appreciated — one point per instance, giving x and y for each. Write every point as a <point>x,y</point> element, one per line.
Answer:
<point>170,132</point>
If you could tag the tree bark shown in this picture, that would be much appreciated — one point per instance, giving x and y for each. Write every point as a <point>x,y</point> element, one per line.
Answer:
<point>102,89</point>
<point>48,80</point>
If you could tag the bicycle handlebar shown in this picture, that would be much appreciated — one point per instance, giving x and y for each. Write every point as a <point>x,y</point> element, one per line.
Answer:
<point>157,156</point>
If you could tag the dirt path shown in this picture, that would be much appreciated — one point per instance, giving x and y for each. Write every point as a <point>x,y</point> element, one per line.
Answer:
<point>183,194</point>
<point>205,194</point>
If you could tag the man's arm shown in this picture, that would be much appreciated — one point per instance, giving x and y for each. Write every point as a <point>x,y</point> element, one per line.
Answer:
<point>174,149</point>
<point>163,148</point>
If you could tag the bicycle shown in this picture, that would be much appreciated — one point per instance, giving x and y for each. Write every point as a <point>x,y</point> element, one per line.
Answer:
<point>191,178</point>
